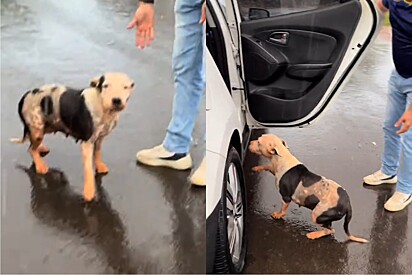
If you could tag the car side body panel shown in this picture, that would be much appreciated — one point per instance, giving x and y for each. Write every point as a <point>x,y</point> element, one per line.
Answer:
<point>222,122</point>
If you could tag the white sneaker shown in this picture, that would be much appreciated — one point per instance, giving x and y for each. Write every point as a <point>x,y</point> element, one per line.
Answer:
<point>398,201</point>
<point>159,156</point>
<point>378,178</point>
<point>199,176</point>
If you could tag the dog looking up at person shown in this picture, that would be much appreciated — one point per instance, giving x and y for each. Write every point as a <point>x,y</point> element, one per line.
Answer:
<point>328,201</point>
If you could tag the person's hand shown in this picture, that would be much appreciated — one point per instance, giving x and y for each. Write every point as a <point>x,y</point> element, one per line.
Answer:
<point>405,121</point>
<point>203,17</point>
<point>144,22</point>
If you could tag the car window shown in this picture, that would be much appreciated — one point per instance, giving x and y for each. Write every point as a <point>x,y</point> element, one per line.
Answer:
<point>252,9</point>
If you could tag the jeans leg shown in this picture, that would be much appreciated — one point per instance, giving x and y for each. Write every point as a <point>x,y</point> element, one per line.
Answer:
<point>405,160</point>
<point>394,110</point>
<point>189,74</point>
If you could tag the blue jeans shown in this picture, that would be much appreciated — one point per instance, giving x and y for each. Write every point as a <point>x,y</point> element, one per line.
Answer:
<point>189,74</point>
<point>397,154</point>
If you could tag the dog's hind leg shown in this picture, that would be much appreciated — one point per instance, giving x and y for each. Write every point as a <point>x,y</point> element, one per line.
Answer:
<point>36,138</point>
<point>101,168</point>
<point>323,216</point>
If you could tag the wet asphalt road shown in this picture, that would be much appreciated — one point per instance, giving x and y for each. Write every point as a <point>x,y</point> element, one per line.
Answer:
<point>146,219</point>
<point>341,146</point>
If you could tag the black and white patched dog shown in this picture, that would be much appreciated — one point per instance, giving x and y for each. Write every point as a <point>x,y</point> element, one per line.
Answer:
<point>328,200</point>
<point>88,115</point>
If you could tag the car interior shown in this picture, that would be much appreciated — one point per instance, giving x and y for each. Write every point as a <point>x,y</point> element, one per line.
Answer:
<point>291,50</point>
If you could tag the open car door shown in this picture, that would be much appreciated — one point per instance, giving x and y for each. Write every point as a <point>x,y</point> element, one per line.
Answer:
<point>297,54</point>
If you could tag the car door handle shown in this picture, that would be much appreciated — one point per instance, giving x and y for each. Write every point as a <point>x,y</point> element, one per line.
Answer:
<point>279,38</point>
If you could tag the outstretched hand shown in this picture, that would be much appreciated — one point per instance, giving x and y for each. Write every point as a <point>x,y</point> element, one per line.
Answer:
<point>143,20</point>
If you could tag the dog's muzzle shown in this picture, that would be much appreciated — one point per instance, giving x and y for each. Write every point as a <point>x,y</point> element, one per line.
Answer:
<point>117,104</point>
<point>253,147</point>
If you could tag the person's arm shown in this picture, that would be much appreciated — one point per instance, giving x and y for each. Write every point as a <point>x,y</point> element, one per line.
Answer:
<point>405,121</point>
<point>383,5</point>
<point>143,20</point>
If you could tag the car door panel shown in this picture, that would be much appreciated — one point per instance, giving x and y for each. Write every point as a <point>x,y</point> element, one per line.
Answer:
<point>321,43</point>
<point>290,60</point>
<point>264,60</point>
<point>262,64</point>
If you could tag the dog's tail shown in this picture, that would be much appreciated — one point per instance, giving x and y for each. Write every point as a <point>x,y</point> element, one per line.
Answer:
<point>348,217</point>
<point>26,128</point>
<point>23,139</point>
<point>18,140</point>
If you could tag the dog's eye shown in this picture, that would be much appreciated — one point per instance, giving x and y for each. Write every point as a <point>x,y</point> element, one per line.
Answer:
<point>129,87</point>
<point>105,86</point>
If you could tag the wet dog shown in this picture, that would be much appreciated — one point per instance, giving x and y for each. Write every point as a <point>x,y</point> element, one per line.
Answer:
<point>328,201</point>
<point>87,115</point>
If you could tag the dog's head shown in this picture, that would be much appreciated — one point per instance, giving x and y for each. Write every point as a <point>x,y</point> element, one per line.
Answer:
<point>115,90</point>
<point>269,145</point>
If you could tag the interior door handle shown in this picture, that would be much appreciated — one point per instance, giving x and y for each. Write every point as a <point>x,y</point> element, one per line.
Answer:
<point>279,38</point>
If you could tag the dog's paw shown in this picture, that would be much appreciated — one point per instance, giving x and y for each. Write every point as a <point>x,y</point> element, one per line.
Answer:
<point>314,235</point>
<point>89,192</point>
<point>257,169</point>
<point>277,215</point>
<point>319,234</point>
<point>101,168</point>
<point>41,168</point>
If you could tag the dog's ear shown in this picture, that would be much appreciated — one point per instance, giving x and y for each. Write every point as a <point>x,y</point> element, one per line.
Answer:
<point>272,149</point>
<point>285,144</point>
<point>97,82</point>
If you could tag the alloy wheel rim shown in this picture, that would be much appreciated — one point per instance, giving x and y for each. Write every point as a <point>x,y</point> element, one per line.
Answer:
<point>234,210</point>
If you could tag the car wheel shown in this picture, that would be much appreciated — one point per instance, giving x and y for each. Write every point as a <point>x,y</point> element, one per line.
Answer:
<point>231,236</point>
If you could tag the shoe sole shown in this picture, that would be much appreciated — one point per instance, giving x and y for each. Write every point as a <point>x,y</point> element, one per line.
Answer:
<point>198,178</point>
<point>197,181</point>
<point>181,164</point>
<point>398,209</point>
<point>389,181</point>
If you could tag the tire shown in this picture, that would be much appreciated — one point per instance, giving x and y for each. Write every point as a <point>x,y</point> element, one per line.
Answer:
<point>231,225</point>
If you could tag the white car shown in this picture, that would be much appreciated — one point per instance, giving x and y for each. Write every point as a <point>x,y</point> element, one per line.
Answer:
<point>269,66</point>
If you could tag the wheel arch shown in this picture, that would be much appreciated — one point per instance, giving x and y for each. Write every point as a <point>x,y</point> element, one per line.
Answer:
<point>236,142</point>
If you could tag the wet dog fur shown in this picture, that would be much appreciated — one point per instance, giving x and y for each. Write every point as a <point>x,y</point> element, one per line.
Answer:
<point>87,115</point>
<point>328,200</point>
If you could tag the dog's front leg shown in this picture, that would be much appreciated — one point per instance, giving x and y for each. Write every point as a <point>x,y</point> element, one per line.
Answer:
<point>89,184</point>
<point>43,149</point>
<point>261,168</point>
<point>101,168</point>
<point>278,215</point>
<point>36,138</point>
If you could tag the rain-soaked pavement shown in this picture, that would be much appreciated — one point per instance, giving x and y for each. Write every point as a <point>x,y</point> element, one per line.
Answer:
<point>147,219</point>
<point>344,145</point>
